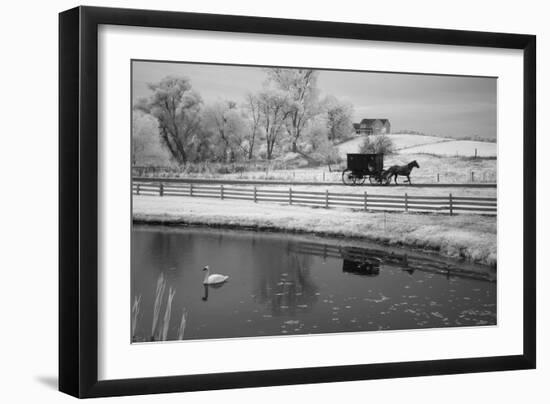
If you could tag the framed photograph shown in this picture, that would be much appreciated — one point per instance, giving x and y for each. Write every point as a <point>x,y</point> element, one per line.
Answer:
<point>251,201</point>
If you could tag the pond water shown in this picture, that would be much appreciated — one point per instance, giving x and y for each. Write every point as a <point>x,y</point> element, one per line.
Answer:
<point>282,284</point>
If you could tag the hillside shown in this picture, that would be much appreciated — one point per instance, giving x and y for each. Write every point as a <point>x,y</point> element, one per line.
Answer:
<point>463,148</point>
<point>417,144</point>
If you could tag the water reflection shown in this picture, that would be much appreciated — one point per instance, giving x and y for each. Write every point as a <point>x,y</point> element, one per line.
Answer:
<point>281,284</point>
<point>208,287</point>
<point>364,268</point>
<point>368,260</point>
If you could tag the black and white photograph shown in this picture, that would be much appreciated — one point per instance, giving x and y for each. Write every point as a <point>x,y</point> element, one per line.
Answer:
<point>274,201</point>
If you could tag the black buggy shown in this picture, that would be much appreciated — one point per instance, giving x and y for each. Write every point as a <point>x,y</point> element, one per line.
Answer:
<point>363,166</point>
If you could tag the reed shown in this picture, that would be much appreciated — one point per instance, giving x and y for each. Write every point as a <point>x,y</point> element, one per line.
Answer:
<point>135,314</point>
<point>183,323</point>
<point>167,315</point>
<point>159,295</point>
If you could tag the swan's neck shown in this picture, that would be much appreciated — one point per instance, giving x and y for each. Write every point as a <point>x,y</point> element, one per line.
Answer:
<point>207,275</point>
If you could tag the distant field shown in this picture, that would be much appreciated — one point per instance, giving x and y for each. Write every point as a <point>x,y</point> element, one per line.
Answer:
<point>417,144</point>
<point>350,146</point>
<point>464,148</point>
<point>404,141</point>
<point>441,160</point>
<point>400,142</point>
<point>450,169</point>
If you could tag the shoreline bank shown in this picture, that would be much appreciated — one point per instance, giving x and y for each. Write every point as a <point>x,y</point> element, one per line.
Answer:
<point>466,237</point>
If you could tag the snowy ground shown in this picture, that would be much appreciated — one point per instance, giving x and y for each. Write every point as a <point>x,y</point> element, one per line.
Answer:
<point>466,148</point>
<point>471,237</point>
<point>416,144</point>
<point>442,160</point>
<point>457,170</point>
<point>400,141</point>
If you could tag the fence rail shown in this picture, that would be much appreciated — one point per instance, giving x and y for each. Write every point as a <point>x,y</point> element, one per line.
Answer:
<point>447,204</point>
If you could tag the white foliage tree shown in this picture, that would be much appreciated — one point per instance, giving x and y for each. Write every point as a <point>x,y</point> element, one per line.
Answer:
<point>147,149</point>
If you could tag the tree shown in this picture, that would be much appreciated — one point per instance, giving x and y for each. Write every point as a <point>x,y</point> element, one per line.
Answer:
<point>377,144</point>
<point>319,147</point>
<point>301,88</point>
<point>176,107</point>
<point>146,146</point>
<point>339,118</point>
<point>252,106</point>
<point>273,106</point>
<point>225,120</point>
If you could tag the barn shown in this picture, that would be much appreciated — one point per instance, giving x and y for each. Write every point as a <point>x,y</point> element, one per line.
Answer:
<point>376,126</point>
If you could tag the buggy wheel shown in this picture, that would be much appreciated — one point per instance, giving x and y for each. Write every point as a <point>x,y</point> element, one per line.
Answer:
<point>360,180</point>
<point>347,177</point>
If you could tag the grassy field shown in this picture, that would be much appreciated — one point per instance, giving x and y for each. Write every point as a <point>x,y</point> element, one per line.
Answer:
<point>464,148</point>
<point>450,169</point>
<point>469,237</point>
<point>400,142</point>
<point>438,162</point>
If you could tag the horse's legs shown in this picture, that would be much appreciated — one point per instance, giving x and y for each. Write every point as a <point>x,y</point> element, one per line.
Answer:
<point>409,178</point>
<point>395,178</point>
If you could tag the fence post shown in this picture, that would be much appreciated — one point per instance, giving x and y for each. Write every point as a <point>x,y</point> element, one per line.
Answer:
<point>161,189</point>
<point>221,191</point>
<point>451,204</point>
<point>255,200</point>
<point>191,189</point>
<point>326,198</point>
<point>406,203</point>
<point>323,176</point>
<point>137,191</point>
<point>365,201</point>
<point>290,196</point>
<point>472,176</point>
<point>437,177</point>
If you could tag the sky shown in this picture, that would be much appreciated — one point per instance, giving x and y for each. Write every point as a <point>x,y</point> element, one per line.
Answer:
<point>453,106</point>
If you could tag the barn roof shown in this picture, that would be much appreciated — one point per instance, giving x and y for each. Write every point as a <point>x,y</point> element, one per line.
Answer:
<point>370,121</point>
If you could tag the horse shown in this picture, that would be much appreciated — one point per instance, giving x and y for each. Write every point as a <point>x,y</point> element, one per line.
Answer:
<point>405,171</point>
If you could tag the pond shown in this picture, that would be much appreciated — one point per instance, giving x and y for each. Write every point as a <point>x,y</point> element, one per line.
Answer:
<point>281,284</point>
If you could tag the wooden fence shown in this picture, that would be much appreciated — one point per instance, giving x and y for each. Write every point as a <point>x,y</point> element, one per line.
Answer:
<point>447,204</point>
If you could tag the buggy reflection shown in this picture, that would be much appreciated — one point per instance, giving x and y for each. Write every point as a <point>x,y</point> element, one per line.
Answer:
<point>357,262</point>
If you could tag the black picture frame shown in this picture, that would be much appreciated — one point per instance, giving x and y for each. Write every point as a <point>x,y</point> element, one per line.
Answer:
<point>78,200</point>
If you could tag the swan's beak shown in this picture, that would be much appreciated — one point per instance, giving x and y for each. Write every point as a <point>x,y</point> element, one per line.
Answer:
<point>206,268</point>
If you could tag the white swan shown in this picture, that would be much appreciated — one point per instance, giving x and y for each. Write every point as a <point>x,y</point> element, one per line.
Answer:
<point>214,278</point>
